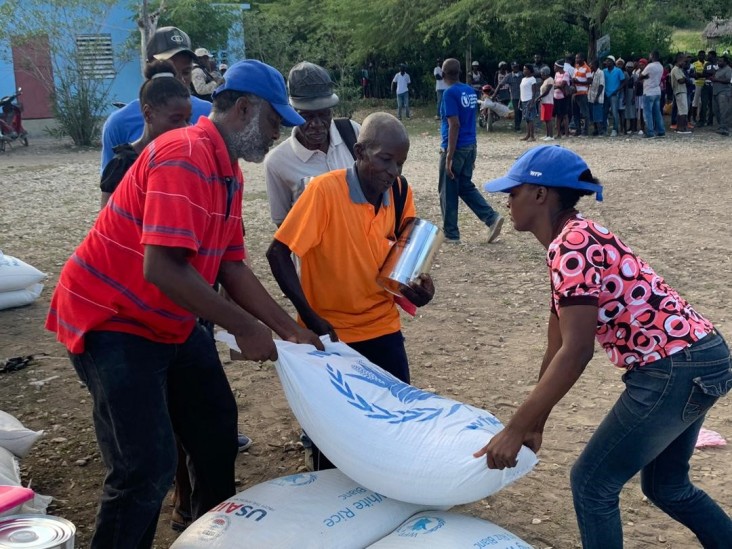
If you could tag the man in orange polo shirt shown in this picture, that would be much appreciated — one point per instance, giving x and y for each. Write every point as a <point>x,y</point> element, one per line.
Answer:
<point>126,305</point>
<point>342,228</point>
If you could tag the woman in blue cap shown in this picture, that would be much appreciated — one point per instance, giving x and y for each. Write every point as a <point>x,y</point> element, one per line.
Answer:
<point>676,363</point>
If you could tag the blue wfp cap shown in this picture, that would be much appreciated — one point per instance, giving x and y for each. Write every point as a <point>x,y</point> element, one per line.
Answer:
<point>549,166</point>
<point>257,78</point>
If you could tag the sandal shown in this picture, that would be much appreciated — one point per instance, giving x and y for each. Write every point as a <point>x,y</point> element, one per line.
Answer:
<point>180,520</point>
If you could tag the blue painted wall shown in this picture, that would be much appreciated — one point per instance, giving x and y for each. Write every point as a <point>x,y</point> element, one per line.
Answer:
<point>120,23</point>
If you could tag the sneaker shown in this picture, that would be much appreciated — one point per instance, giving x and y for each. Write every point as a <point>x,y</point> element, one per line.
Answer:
<point>244,442</point>
<point>614,134</point>
<point>648,136</point>
<point>495,229</point>
<point>683,132</point>
<point>640,132</point>
<point>452,240</point>
<point>723,132</point>
<point>673,126</point>
<point>661,135</point>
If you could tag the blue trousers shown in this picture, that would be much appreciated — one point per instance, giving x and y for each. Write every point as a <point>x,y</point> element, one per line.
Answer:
<point>402,103</point>
<point>462,187</point>
<point>653,115</point>
<point>653,428</point>
<point>612,103</point>
<point>144,394</point>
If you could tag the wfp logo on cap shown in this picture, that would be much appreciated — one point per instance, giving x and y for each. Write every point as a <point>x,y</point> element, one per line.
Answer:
<point>534,173</point>
<point>420,526</point>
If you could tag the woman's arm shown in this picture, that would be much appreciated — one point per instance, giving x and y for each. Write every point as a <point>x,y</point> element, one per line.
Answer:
<point>577,326</point>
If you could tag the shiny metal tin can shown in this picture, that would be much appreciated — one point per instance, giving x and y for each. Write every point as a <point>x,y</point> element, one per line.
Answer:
<point>36,532</point>
<point>411,255</point>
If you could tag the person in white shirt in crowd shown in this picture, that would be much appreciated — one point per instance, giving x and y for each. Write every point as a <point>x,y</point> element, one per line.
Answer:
<point>320,145</point>
<point>651,77</point>
<point>546,101</point>
<point>440,86</point>
<point>529,95</point>
<point>401,82</point>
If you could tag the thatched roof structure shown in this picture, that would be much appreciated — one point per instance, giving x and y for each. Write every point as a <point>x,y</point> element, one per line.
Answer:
<point>718,28</point>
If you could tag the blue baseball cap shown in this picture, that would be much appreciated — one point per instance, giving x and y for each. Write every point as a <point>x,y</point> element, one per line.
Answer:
<point>257,78</point>
<point>549,166</point>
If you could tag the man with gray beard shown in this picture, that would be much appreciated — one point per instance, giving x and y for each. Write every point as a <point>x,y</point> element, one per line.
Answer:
<point>127,302</point>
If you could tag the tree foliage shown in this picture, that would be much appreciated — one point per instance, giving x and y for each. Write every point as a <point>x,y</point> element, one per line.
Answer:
<point>348,35</point>
<point>79,96</point>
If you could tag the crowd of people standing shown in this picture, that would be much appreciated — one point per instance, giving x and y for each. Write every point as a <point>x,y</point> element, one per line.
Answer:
<point>612,96</point>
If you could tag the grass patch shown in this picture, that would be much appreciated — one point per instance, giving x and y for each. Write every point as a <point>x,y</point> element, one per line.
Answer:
<point>691,40</point>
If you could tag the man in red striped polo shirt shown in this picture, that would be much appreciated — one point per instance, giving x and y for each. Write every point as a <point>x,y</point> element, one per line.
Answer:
<point>127,300</point>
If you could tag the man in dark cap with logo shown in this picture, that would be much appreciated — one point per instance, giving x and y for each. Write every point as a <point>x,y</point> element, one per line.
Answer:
<point>127,304</point>
<point>320,145</point>
<point>125,125</point>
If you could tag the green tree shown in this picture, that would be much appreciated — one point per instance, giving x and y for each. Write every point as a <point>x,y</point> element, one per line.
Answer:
<point>79,94</point>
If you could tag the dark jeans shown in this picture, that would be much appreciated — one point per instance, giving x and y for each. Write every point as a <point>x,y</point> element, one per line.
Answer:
<point>517,114</point>
<point>706,116</point>
<point>386,351</point>
<point>461,187</point>
<point>653,428</point>
<point>145,393</point>
<point>582,112</point>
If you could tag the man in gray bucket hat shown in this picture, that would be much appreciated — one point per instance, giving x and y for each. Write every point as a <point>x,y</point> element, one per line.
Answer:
<point>320,145</point>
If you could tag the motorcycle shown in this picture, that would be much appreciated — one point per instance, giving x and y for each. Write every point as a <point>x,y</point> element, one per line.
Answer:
<point>11,121</point>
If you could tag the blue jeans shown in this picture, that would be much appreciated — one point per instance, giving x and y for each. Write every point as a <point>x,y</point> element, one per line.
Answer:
<point>402,102</point>
<point>599,118</point>
<point>612,104</point>
<point>439,94</point>
<point>461,187</point>
<point>144,394</point>
<point>653,115</point>
<point>653,428</point>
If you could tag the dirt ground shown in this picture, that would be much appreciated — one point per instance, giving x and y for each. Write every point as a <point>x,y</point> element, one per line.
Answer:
<point>480,341</point>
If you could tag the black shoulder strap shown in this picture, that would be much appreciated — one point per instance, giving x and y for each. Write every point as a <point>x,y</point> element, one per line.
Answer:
<point>399,195</point>
<point>348,134</point>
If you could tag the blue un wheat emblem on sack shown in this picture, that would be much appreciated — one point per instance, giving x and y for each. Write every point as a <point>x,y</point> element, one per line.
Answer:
<point>405,393</point>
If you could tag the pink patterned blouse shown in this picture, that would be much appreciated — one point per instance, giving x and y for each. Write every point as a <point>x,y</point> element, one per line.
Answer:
<point>640,318</point>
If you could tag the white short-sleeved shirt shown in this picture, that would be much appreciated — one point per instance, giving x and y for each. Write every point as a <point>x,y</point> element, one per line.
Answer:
<point>289,162</point>
<point>652,84</point>
<point>402,82</point>
<point>548,99</point>
<point>439,84</point>
<point>527,88</point>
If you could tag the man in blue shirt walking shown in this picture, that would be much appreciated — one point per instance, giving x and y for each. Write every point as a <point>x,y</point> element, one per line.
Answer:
<point>457,157</point>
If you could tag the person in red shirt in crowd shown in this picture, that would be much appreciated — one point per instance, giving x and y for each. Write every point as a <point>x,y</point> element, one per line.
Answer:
<point>676,363</point>
<point>127,301</point>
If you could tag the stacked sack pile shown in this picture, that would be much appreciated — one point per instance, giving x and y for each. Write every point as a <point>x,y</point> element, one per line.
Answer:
<point>20,283</point>
<point>15,443</point>
<point>404,457</point>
